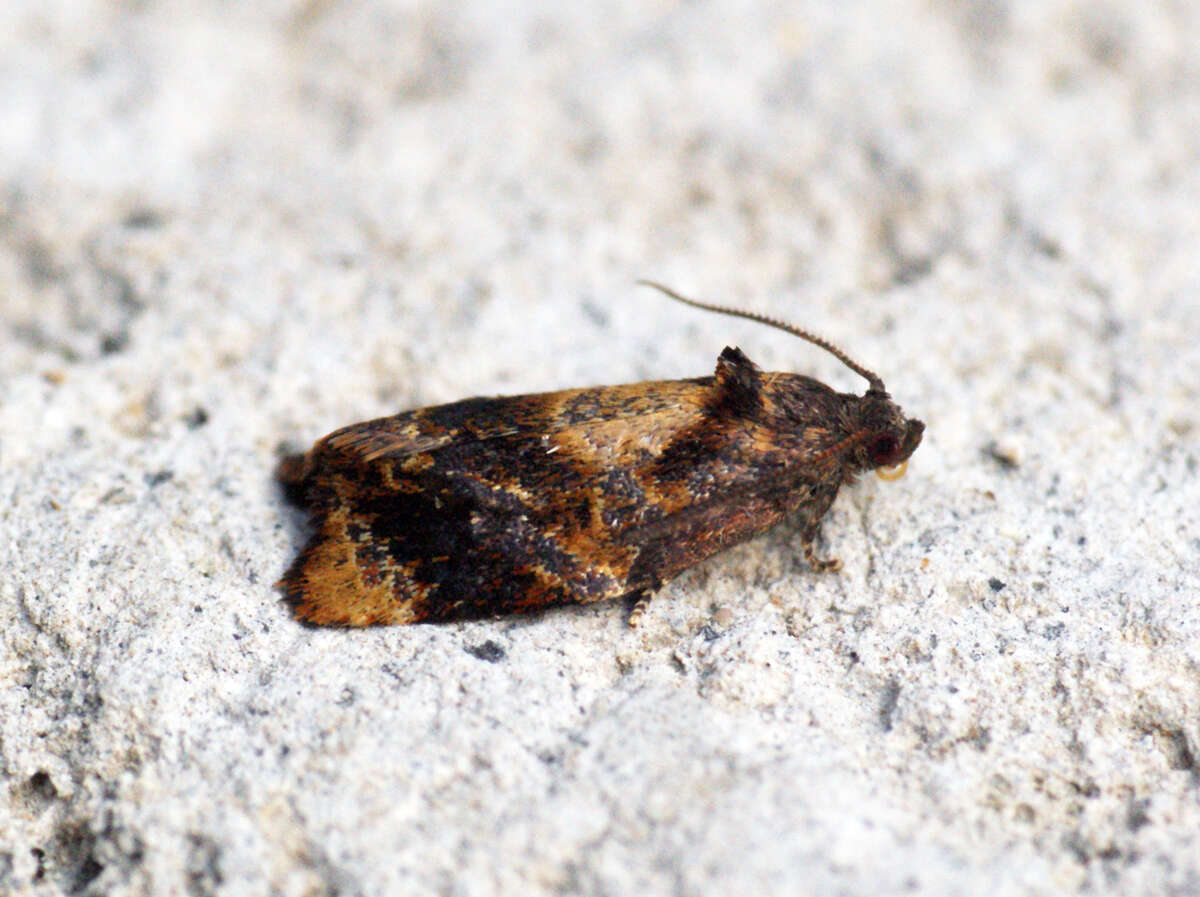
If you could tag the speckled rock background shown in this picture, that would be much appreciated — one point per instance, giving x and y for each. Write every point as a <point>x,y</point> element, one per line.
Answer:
<point>228,227</point>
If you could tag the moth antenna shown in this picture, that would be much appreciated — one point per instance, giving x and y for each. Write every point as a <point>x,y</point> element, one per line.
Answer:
<point>876,385</point>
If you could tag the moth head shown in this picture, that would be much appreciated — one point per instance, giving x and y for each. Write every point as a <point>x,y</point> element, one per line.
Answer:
<point>881,438</point>
<point>886,438</point>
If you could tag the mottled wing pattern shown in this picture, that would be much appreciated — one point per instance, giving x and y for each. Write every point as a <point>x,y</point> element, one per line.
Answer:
<point>505,505</point>
<point>479,507</point>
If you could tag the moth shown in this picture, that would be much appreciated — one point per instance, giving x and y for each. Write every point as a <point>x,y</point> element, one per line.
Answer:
<point>494,506</point>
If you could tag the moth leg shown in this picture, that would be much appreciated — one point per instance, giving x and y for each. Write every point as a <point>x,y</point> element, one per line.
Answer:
<point>820,565</point>
<point>638,602</point>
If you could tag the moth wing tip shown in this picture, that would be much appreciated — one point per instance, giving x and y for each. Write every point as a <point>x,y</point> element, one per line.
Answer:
<point>320,600</point>
<point>293,469</point>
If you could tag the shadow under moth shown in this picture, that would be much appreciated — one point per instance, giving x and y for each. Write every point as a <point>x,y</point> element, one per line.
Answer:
<point>507,505</point>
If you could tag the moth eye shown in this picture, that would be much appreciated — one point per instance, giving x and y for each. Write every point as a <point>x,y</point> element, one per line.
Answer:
<point>883,450</point>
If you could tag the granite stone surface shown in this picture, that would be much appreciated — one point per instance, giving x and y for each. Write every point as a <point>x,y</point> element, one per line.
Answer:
<point>226,229</point>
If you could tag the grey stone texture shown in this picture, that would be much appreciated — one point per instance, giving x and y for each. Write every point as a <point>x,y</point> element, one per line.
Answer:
<point>227,228</point>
